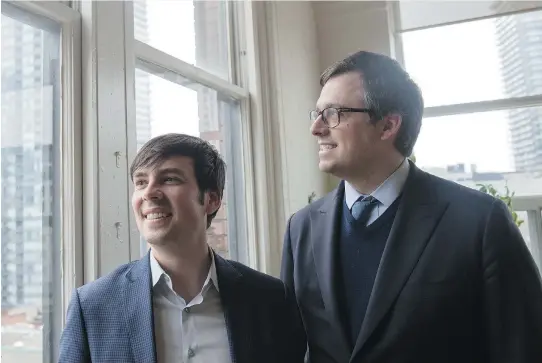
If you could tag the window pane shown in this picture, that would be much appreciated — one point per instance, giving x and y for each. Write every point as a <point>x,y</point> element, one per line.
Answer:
<point>477,61</point>
<point>29,175</point>
<point>487,146</point>
<point>193,31</point>
<point>183,106</point>
<point>490,147</point>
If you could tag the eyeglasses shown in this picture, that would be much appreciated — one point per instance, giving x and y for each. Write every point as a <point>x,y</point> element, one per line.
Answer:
<point>331,116</point>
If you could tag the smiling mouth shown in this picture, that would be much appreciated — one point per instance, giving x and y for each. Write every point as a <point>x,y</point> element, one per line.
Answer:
<point>157,216</point>
<point>326,147</point>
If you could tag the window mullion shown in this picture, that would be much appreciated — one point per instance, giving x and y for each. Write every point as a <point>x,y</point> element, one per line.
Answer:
<point>106,232</point>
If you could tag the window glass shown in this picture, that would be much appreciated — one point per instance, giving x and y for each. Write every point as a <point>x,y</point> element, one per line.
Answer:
<point>477,61</point>
<point>193,31</point>
<point>30,212</point>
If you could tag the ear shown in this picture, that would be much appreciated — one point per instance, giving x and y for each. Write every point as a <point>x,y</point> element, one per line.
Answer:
<point>213,202</point>
<point>390,126</point>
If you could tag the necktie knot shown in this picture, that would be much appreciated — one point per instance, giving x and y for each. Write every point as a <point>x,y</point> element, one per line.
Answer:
<point>362,208</point>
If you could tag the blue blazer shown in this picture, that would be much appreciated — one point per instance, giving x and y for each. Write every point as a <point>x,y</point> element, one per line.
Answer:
<point>111,319</point>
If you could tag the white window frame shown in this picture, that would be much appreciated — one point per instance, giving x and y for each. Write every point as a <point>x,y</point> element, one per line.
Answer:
<point>111,237</point>
<point>531,204</point>
<point>70,173</point>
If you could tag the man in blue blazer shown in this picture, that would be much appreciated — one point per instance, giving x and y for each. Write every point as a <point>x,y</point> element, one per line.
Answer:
<point>181,302</point>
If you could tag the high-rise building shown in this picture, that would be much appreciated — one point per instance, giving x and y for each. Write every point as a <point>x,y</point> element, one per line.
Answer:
<point>30,69</point>
<point>29,214</point>
<point>142,79</point>
<point>519,41</point>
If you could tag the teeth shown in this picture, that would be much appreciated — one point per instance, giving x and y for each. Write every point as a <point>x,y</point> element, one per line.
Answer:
<point>156,215</point>
<point>327,147</point>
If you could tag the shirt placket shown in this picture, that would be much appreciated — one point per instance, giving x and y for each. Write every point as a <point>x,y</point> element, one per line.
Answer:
<point>189,334</point>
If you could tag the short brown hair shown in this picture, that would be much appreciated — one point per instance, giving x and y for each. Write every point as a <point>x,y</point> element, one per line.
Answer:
<point>388,89</point>
<point>209,167</point>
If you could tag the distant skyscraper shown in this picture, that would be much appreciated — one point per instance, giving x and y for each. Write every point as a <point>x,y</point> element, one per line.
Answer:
<point>142,79</point>
<point>519,40</point>
<point>30,251</point>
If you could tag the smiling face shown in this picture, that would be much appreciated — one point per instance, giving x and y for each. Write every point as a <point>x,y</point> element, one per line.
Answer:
<point>355,145</point>
<point>167,202</point>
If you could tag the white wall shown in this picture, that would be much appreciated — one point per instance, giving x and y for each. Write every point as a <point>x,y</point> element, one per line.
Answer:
<point>295,71</point>
<point>344,27</point>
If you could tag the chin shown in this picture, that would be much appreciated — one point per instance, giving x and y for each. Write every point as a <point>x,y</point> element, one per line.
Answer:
<point>155,239</point>
<point>326,167</point>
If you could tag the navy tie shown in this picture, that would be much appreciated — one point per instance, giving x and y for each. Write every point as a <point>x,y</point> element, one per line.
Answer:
<point>361,210</point>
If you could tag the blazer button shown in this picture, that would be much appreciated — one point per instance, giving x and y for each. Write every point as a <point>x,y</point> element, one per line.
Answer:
<point>187,310</point>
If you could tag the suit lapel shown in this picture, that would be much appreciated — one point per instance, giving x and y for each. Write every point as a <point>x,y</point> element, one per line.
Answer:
<point>138,311</point>
<point>418,214</point>
<point>235,311</point>
<point>324,227</point>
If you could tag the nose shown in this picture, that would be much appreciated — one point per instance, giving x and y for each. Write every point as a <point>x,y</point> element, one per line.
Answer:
<point>318,128</point>
<point>152,192</point>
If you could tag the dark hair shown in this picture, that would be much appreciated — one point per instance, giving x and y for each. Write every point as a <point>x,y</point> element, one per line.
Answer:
<point>388,89</point>
<point>209,167</point>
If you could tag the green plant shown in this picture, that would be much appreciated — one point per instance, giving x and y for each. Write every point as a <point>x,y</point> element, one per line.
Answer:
<point>311,197</point>
<point>506,198</point>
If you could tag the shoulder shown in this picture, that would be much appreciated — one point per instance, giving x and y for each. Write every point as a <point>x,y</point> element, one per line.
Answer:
<point>260,286</point>
<point>257,279</point>
<point>105,287</point>
<point>457,194</point>
<point>324,202</point>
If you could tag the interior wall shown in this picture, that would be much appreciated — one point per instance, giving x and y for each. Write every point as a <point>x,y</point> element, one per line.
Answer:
<point>344,27</point>
<point>294,49</point>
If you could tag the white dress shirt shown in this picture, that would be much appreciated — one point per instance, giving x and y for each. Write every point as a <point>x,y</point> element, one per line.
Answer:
<point>188,332</point>
<point>386,193</point>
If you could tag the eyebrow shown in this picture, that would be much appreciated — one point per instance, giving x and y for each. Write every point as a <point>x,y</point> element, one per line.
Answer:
<point>141,174</point>
<point>328,105</point>
<point>172,171</point>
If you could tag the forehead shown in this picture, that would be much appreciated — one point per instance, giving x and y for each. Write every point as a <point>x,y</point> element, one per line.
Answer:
<point>180,164</point>
<point>345,90</point>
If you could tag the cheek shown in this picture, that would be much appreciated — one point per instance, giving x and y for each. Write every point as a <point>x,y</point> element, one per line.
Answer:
<point>136,203</point>
<point>360,137</point>
<point>186,203</point>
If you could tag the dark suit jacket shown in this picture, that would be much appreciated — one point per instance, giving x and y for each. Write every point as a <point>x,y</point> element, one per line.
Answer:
<point>456,282</point>
<point>111,319</point>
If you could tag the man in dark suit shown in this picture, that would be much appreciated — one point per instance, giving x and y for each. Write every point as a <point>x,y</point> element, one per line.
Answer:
<point>397,265</point>
<point>181,302</point>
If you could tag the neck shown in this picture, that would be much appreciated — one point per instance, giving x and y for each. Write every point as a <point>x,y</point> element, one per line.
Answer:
<point>187,265</point>
<point>371,179</point>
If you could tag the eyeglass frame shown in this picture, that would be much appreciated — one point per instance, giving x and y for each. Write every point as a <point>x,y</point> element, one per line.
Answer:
<point>339,111</point>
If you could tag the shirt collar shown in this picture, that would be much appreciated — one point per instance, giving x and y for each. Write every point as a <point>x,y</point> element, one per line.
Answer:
<point>157,272</point>
<point>387,192</point>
